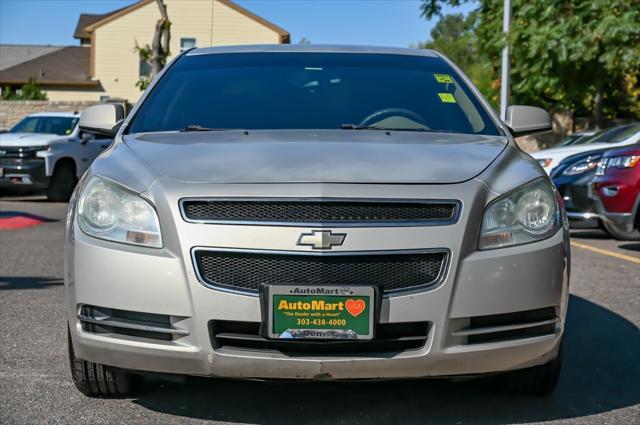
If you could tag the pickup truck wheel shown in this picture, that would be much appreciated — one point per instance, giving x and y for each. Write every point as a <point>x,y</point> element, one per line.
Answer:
<point>96,380</point>
<point>621,235</point>
<point>536,381</point>
<point>62,183</point>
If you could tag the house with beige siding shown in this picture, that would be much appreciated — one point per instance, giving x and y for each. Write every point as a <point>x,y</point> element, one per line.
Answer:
<point>106,64</point>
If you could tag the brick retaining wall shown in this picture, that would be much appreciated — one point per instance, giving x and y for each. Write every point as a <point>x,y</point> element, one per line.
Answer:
<point>12,111</point>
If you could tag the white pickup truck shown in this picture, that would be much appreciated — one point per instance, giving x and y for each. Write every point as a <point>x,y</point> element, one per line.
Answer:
<point>46,150</point>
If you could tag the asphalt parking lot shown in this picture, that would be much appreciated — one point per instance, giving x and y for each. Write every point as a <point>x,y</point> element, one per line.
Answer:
<point>600,382</point>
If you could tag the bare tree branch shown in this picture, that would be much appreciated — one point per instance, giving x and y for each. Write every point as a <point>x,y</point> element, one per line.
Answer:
<point>161,40</point>
<point>163,9</point>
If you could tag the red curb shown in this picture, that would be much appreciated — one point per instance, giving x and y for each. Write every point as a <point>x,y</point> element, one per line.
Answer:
<point>18,222</point>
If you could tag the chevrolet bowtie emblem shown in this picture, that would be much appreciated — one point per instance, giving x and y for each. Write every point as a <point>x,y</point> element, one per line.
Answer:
<point>321,239</point>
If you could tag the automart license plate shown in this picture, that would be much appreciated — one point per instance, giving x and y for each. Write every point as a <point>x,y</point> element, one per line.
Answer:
<point>326,312</point>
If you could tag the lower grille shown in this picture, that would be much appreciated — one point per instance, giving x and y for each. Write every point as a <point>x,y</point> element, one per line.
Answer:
<point>390,271</point>
<point>390,339</point>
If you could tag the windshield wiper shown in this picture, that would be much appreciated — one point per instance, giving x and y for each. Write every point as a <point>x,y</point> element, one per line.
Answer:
<point>362,127</point>
<point>196,127</point>
<point>376,127</point>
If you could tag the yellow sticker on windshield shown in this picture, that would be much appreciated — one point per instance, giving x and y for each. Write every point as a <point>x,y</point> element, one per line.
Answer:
<point>443,78</point>
<point>447,98</point>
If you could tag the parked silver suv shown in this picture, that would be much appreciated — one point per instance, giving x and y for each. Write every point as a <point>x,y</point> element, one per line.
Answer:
<point>315,212</point>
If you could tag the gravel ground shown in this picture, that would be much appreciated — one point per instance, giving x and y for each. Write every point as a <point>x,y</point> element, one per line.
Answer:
<point>600,383</point>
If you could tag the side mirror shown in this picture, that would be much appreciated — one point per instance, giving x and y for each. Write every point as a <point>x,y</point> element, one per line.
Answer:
<point>102,119</point>
<point>85,136</point>
<point>523,120</point>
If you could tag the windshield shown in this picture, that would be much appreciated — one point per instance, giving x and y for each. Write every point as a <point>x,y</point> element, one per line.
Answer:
<point>611,135</point>
<point>570,140</point>
<point>50,125</point>
<point>311,91</point>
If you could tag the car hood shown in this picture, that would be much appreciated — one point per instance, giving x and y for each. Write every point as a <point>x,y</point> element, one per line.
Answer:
<point>27,139</point>
<point>303,156</point>
<point>566,151</point>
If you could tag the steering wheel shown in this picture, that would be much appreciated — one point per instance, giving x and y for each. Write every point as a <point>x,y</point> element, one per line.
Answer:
<point>390,112</point>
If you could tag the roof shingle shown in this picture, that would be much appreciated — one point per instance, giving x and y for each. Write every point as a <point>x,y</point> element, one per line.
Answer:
<point>14,54</point>
<point>84,20</point>
<point>87,19</point>
<point>68,65</point>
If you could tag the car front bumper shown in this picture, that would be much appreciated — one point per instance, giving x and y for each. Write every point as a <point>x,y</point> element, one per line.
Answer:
<point>581,209</point>
<point>23,172</point>
<point>624,221</point>
<point>164,281</point>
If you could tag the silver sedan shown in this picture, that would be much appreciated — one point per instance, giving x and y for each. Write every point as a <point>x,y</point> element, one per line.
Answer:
<point>315,212</point>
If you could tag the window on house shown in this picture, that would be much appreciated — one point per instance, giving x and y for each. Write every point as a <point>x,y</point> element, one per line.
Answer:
<point>187,43</point>
<point>144,69</point>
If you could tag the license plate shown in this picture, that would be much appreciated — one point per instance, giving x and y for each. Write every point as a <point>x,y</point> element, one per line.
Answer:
<point>326,312</point>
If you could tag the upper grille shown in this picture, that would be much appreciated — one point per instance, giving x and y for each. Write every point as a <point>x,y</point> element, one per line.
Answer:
<point>321,211</point>
<point>20,152</point>
<point>389,271</point>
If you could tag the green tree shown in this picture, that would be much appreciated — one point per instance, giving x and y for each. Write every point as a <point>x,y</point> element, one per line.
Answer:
<point>579,55</point>
<point>32,91</point>
<point>7,93</point>
<point>29,91</point>
<point>454,36</point>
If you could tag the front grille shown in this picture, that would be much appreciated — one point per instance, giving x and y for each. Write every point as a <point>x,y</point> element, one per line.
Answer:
<point>20,152</point>
<point>580,201</point>
<point>389,271</point>
<point>321,211</point>
<point>389,339</point>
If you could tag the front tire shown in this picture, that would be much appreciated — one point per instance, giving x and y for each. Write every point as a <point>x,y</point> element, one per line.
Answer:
<point>62,183</point>
<point>536,381</point>
<point>621,235</point>
<point>96,380</point>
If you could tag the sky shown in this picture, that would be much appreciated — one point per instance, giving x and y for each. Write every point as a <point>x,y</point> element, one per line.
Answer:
<point>373,22</point>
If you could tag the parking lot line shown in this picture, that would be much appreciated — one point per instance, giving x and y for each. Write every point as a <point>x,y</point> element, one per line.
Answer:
<point>606,252</point>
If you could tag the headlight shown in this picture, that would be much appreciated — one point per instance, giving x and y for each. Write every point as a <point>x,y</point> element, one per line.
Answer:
<point>602,165</point>
<point>527,214</point>
<point>110,212</point>
<point>626,161</point>
<point>545,162</point>
<point>583,166</point>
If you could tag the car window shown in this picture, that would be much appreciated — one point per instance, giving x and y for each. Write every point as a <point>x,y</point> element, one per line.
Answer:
<point>611,135</point>
<point>50,125</point>
<point>312,91</point>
